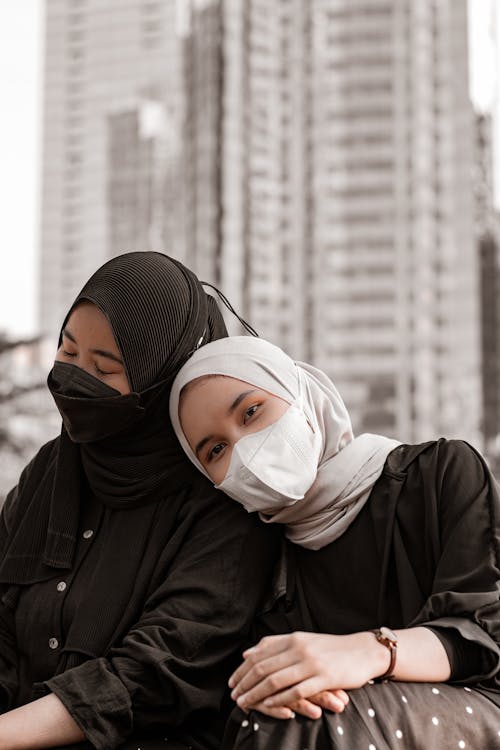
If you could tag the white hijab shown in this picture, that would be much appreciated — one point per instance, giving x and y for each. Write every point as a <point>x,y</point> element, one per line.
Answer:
<point>348,466</point>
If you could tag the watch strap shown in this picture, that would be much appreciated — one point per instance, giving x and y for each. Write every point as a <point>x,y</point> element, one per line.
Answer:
<point>388,639</point>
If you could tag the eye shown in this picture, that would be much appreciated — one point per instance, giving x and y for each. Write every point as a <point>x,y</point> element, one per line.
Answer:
<point>215,451</point>
<point>102,372</point>
<point>250,412</point>
<point>68,354</point>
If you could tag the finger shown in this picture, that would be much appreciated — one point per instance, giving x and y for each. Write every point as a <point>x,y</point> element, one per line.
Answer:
<point>306,708</point>
<point>276,712</point>
<point>239,673</point>
<point>302,689</point>
<point>327,699</point>
<point>270,644</point>
<point>344,697</point>
<point>260,670</point>
<point>267,647</point>
<point>339,694</point>
<point>275,683</point>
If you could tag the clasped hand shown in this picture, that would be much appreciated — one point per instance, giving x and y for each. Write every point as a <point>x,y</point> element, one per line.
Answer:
<point>302,672</point>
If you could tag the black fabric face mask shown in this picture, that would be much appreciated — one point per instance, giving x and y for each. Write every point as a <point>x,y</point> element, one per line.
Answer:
<point>90,409</point>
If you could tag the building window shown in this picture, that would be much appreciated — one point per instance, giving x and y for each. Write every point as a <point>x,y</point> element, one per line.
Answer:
<point>70,227</point>
<point>76,18</point>
<point>76,37</point>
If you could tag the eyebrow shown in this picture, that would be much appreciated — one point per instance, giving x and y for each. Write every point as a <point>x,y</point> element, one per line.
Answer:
<point>102,352</point>
<point>237,401</point>
<point>232,407</point>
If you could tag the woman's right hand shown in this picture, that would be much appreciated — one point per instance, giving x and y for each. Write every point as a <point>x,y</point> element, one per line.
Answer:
<point>285,670</point>
<point>282,670</point>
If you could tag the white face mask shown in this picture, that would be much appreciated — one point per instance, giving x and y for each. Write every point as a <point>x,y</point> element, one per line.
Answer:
<point>276,466</point>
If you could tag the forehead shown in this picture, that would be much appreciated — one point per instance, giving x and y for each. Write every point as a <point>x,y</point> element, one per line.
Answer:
<point>86,311</point>
<point>87,320</point>
<point>213,386</point>
<point>205,403</point>
<point>212,397</point>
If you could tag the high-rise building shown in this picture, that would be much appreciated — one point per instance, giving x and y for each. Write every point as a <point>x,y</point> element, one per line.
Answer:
<point>131,138</point>
<point>488,248</point>
<point>267,159</point>
<point>489,254</point>
<point>314,158</point>
<point>202,84</point>
<point>347,201</point>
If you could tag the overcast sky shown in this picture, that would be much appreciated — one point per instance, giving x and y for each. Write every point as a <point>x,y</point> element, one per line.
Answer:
<point>21,56</point>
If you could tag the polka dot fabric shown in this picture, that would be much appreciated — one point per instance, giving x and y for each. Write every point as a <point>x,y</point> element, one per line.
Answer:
<point>385,716</point>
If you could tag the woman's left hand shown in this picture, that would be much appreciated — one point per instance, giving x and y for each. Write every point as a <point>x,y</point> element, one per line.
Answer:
<point>283,669</point>
<point>333,700</point>
<point>311,708</point>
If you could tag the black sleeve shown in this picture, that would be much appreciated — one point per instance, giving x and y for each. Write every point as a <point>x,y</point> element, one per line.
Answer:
<point>465,597</point>
<point>8,645</point>
<point>173,665</point>
<point>464,656</point>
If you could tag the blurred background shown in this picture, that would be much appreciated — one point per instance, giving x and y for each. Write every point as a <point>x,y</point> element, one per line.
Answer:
<point>332,165</point>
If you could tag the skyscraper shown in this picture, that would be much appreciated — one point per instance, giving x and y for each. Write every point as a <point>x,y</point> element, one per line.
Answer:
<point>314,158</point>
<point>487,239</point>
<point>131,128</point>
<point>348,209</point>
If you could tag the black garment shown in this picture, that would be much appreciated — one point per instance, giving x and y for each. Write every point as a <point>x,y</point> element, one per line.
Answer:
<point>383,716</point>
<point>159,314</point>
<point>423,551</point>
<point>158,598</point>
<point>147,630</point>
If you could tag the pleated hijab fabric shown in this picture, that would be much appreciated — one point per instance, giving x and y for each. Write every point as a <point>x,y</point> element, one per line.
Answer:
<point>348,467</point>
<point>159,314</point>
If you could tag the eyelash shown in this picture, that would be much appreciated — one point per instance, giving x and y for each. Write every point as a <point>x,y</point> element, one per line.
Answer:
<point>247,415</point>
<point>101,372</point>
<point>212,455</point>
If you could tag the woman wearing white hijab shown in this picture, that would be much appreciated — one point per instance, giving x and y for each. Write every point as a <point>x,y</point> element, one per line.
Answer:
<point>392,561</point>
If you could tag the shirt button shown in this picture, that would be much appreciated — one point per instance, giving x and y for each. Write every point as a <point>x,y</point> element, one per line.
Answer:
<point>53,643</point>
<point>61,586</point>
<point>88,533</point>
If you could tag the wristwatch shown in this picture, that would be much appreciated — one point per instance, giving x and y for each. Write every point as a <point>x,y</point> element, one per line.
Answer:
<point>389,639</point>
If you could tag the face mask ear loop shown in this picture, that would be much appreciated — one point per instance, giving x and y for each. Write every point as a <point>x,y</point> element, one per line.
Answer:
<point>231,309</point>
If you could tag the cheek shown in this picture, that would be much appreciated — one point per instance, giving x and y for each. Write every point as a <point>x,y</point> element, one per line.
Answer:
<point>119,383</point>
<point>279,408</point>
<point>218,471</point>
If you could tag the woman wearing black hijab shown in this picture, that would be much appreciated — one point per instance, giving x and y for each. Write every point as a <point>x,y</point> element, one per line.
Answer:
<point>127,584</point>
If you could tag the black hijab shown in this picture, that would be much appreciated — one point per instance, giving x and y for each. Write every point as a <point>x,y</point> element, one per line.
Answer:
<point>159,314</point>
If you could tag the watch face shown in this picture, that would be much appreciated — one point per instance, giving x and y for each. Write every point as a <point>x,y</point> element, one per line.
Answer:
<point>387,633</point>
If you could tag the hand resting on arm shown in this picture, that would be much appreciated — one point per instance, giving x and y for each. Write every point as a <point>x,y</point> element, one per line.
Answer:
<point>282,670</point>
